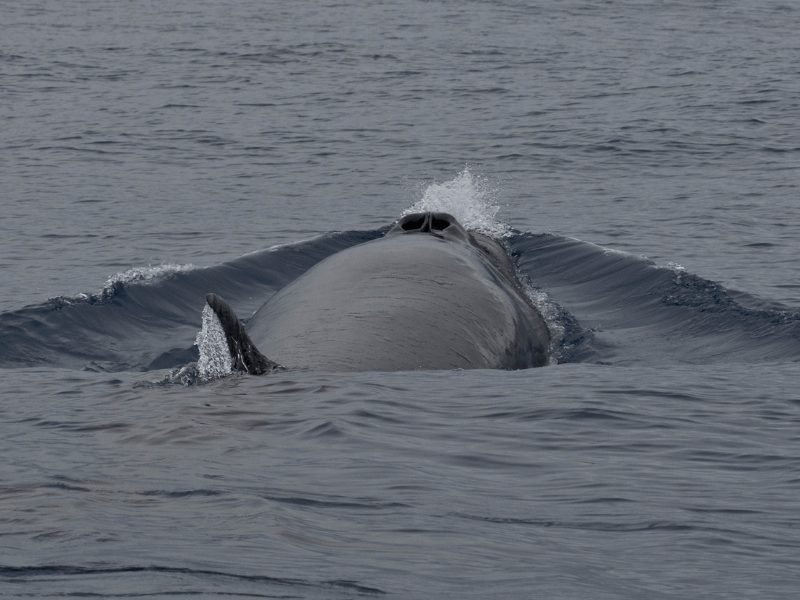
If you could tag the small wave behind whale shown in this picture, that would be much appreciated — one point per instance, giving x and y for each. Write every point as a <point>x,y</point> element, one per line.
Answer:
<point>136,275</point>
<point>640,313</point>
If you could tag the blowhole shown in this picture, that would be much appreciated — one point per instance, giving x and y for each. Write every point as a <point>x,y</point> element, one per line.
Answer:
<point>413,223</point>
<point>439,224</point>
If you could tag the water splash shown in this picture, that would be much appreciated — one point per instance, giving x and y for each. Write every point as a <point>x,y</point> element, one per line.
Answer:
<point>676,267</point>
<point>215,358</point>
<point>145,274</point>
<point>469,198</point>
<point>553,316</point>
<point>118,281</point>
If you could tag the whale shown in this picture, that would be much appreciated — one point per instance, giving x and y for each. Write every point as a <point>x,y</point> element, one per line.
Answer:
<point>428,295</point>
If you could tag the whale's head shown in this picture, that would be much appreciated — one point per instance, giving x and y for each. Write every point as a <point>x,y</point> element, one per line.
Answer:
<point>446,227</point>
<point>437,224</point>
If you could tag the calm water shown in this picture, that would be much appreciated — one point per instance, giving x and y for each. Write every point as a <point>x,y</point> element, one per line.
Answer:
<point>646,157</point>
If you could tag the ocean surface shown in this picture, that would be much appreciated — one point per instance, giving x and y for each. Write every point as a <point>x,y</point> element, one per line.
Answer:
<point>640,159</point>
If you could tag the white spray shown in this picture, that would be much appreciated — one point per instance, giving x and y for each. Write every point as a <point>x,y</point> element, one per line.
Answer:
<point>469,198</point>
<point>215,358</point>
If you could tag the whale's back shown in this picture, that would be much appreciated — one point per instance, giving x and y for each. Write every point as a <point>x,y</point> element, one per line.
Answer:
<point>401,304</point>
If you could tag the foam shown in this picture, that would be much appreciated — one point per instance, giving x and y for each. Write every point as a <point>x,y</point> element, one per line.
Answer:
<point>553,315</point>
<point>145,274</point>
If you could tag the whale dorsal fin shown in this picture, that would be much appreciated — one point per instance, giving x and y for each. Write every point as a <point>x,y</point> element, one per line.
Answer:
<point>245,357</point>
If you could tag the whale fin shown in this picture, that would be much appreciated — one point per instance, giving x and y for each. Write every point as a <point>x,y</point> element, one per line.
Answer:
<point>245,357</point>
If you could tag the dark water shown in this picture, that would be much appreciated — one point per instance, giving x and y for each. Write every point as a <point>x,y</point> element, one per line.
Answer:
<point>646,156</point>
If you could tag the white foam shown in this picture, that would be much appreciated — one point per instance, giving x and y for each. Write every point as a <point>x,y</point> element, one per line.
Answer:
<point>147,274</point>
<point>137,275</point>
<point>551,313</point>
<point>677,267</point>
<point>469,198</point>
<point>215,358</point>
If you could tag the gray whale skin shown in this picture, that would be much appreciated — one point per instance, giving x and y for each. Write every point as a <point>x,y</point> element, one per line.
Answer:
<point>428,295</point>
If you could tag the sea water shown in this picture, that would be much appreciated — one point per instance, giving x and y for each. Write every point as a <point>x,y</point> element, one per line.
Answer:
<point>639,158</point>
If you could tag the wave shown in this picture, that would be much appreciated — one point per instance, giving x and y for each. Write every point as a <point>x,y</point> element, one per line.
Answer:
<point>632,311</point>
<point>46,573</point>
